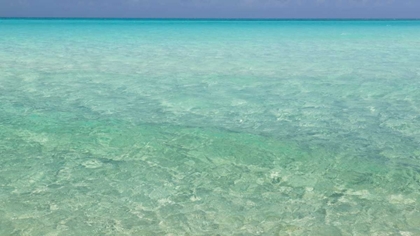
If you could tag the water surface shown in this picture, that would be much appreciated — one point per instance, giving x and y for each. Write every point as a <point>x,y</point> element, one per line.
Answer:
<point>112,127</point>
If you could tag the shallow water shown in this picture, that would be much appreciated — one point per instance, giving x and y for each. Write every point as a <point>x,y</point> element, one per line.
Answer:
<point>111,127</point>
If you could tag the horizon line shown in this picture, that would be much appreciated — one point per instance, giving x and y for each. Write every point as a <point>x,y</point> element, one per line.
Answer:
<point>209,18</point>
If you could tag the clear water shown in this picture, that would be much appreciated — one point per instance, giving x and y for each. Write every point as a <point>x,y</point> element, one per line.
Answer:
<point>209,127</point>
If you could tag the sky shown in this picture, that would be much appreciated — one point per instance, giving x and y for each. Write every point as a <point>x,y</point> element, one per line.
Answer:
<point>212,8</point>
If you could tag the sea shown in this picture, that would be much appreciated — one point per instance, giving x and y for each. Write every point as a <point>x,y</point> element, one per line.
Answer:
<point>209,127</point>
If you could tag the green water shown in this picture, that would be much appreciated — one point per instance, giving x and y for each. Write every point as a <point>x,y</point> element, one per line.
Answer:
<point>111,127</point>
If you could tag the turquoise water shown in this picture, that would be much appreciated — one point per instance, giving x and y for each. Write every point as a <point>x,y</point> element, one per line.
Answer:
<point>159,127</point>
